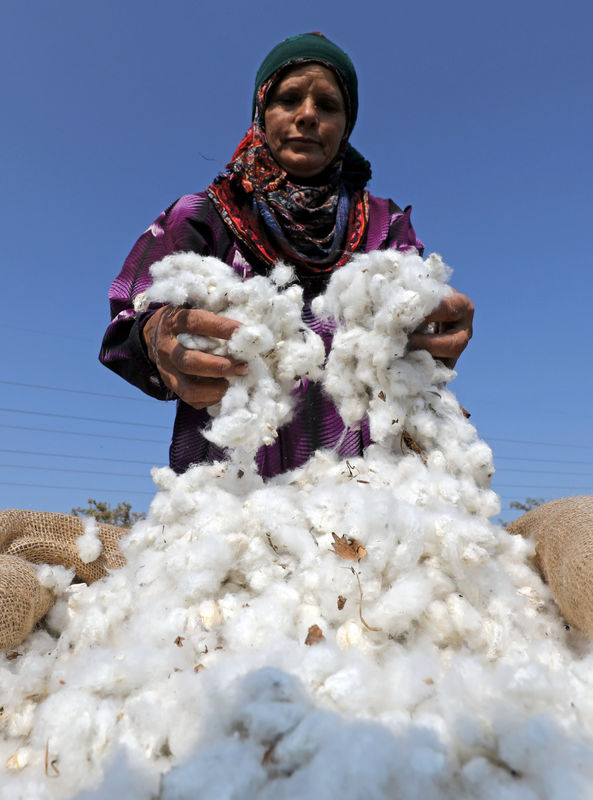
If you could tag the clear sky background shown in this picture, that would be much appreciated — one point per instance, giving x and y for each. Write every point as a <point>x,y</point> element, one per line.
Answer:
<point>479,114</point>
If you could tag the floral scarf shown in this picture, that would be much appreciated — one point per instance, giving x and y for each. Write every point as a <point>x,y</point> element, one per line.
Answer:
<point>315,228</point>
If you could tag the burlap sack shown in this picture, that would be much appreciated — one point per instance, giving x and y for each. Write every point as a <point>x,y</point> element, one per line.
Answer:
<point>42,537</point>
<point>23,600</point>
<point>563,533</point>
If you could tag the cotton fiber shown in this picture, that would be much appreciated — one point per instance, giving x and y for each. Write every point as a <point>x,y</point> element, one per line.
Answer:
<point>89,544</point>
<point>351,629</point>
<point>273,340</point>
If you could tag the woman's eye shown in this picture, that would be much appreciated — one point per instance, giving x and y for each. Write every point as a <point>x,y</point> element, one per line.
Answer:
<point>287,100</point>
<point>290,100</point>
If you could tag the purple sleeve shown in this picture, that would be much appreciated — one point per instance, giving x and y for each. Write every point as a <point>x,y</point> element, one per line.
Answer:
<point>389,226</point>
<point>123,348</point>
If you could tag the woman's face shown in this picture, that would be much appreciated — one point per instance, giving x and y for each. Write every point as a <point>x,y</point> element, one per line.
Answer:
<point>305,120</point>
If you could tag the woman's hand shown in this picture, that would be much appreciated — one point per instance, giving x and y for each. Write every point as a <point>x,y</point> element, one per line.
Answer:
<point>198,378</point>
<point>453,317</point>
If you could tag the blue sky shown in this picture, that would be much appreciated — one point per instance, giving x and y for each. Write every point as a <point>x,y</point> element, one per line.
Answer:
<point>477,114</point>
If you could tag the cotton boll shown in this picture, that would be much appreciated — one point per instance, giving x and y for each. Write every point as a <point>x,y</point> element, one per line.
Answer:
<point>58,616</point>
<point>186,278</point>
<point>89,545</point>
<point>282,274</point>
<point>251,340</point>
<point>403,602</point>
<point>300,358</point>
<point>81,727</point>
<point>267,721</point>
<point>146,720</point>
<point>56,578</point>
<point>194,342</point>
<point>163,477</point>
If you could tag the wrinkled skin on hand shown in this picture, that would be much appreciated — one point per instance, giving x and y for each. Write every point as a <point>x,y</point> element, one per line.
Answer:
<point>198,378</point>
<point>453,317</point>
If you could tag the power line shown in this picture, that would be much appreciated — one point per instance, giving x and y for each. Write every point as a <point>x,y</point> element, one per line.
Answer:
<point>543,460</point>
<point>545,444</point>
<point>77,471</point>
<point>44,333</point>
<point>80,458</point>
<point>85,419</point>
<point>119,490</point>
<point>510,497</point>
<point>544,472</point>
<point>76,391</point>
<point>83,433</point>
<point>573,489</point>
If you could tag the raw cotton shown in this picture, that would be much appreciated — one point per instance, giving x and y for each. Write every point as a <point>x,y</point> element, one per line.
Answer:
<point>273,341</point>
<point>351,629</point>
<point>89,545</point>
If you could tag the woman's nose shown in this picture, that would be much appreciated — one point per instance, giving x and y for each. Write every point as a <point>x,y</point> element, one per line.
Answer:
<point>307,112</point>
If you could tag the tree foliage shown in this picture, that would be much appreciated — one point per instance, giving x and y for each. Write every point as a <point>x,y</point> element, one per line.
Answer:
<point>121,514</point>
<point>526,505</point>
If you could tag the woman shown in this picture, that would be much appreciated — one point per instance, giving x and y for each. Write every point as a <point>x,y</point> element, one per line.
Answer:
<point>294,191</point>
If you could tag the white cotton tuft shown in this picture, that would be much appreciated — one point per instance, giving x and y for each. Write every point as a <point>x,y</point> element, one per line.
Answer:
<point>56,578</point>
<point>89,544</point>
<point>282,275</point>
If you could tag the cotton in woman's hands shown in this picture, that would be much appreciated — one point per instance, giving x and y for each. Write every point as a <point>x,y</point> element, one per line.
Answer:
<point>377,300</point>
<point>278,348</point>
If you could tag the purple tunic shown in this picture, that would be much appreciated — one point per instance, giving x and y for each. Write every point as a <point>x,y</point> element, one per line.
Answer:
<point>193,224</point>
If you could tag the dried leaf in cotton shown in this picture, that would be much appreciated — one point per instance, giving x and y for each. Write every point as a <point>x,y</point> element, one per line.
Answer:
<point>314,635</point>
<point>350,549</point>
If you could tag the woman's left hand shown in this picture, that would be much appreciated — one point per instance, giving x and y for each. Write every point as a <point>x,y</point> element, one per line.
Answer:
<point>453,317</point>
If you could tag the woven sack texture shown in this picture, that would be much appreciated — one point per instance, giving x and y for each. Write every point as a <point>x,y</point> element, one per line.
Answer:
<point>23,600</point>
<point>43,537</point>
<point>563,534</point>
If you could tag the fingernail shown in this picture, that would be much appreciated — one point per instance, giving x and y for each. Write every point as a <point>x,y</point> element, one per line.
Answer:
<point>241,369</point>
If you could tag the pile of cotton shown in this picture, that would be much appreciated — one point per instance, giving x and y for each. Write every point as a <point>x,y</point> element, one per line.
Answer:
<point>351,629</point>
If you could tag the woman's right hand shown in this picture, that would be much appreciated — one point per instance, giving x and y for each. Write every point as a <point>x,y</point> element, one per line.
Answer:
<point>198,378</point>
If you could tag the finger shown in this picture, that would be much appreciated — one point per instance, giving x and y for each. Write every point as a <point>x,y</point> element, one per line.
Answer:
<point>201,392</point>
<point>204,365</point>
<point>196,392</point>
<point>203,323</point>
<point>451,309</point>
<point>441,345</point>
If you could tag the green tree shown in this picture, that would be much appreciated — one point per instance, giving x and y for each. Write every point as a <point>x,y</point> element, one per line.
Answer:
<point>121,514</point>
<point>527,505</point>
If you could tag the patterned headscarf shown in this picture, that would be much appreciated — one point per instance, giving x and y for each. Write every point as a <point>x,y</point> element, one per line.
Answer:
<point>315,228</point>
